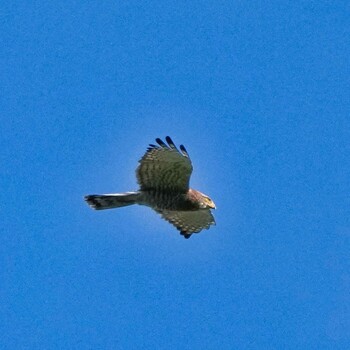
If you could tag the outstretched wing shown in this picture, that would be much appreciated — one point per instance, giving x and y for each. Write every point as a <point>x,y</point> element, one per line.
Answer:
<point>188,222</point>
<point>164,167</point>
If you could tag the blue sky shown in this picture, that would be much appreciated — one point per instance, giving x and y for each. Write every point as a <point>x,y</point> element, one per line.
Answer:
<point>259,95</point>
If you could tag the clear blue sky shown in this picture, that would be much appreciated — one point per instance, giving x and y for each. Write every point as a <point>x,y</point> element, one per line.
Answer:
<point>258,92</point>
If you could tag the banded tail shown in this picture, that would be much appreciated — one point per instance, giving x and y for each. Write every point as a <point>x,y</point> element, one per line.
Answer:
<point>110,201</point>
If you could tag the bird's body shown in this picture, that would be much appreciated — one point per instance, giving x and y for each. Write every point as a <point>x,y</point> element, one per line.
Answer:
<point>163,176</point>
<point>161,200</point>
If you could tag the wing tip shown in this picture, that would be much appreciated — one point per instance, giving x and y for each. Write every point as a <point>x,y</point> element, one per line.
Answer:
<point>170,141</point>
<point>170,145</point>
<point>184,151</point>
<point>185,234</point>
<point>161,143</point>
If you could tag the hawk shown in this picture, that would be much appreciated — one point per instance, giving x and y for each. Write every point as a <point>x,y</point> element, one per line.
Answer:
<point>164,175</point>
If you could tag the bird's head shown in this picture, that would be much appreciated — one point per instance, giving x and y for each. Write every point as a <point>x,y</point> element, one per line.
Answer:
<point>206,202</point>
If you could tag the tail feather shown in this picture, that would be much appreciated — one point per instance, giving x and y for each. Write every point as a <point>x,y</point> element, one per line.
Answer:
<point>109,201</point>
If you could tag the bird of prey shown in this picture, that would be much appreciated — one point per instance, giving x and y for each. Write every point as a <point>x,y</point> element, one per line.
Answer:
<point>163,176</point>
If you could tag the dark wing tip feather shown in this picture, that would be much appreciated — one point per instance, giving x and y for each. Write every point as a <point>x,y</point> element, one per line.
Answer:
<point>184,151</point>
<point>170,143</point>
<point>151,147</point>
<point>161,143</point>
<point>185,234</point>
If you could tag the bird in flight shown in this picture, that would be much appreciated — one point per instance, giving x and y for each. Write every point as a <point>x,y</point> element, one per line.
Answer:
<point>163,176</point>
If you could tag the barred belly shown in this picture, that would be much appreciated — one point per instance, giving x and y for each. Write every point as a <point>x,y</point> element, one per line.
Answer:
<point>159,200</point>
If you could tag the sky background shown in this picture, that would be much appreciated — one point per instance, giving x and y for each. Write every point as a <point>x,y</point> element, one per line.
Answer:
<point>258,92</point>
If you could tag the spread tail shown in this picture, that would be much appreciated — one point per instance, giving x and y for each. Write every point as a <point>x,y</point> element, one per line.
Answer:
<point>109,201</point>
